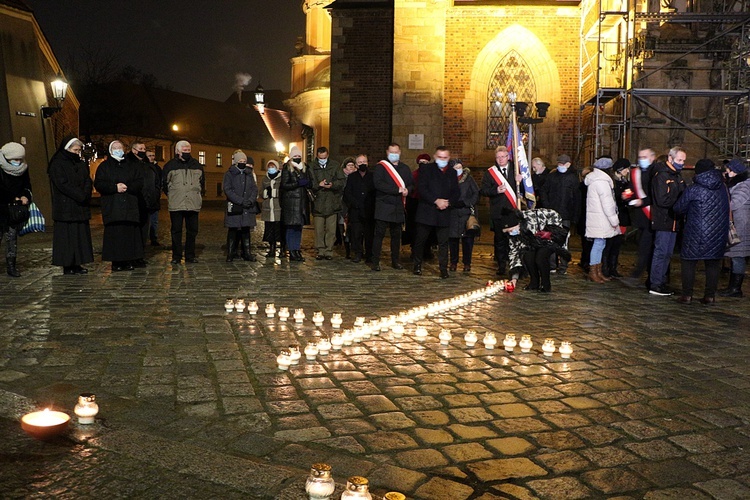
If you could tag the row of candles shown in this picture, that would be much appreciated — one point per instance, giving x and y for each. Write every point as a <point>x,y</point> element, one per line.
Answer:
<point>47,423</point>
<point>320,486</point>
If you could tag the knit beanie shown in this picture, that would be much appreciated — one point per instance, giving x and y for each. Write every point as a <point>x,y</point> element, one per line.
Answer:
<point>240,157</point>
<point>424,156</point>
<point>621,164</point>
<point>603,163</point>
<point>13,151</point>
<point>737,166</point>
<point>704,165</point>
<point>295,151</point>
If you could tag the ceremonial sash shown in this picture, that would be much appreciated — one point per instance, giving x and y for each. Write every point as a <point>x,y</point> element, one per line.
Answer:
<point>636,176</point>
<point>395,176</point>
<point>502,181</point>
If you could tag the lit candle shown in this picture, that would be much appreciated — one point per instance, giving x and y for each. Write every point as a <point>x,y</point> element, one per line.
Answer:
<point>299,315</point>
<point>320,485</point>
<point>445,337</point>
<point>239,305</point>
<point>357,334</point>
<point>348,337</point>
<point>385,324</point>
<point>509,342</point>
<point>252,308</point>
<point>470,338</point>
<point>490,341</point>
<point>284,359</point>
<point>337,341</point>
<point>509,286</point>
<point>229,305</point>
<point>397,330</point>
<point>318,318</point>
<point>394,495</point>
<point>311,351</point>
<point>548,348</point>
<point>294,354</point>
<point>324,346</point>
<point>270,310</point>
<point>526,343</point>
<point>283,313</point>
<point>359,321</point>
<point>336,320</point>
<point>45,424</point>
<point>565,350</point>
<point>420,333</point>
<point>357,488</point>
<point>86,409</point>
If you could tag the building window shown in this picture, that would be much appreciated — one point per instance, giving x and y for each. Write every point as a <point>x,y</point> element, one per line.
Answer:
<point>202,157</point>
<point>510,75</point>
<point>159,153</point>
<point>218,160</point>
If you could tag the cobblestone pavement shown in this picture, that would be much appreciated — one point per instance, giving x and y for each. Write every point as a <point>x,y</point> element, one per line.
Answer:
<point>653,403</point>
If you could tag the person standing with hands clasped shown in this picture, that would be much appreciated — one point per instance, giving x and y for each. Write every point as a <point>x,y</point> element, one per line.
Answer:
<point>295,181</point>
<point>241,191</point>
<point>270,212</point>
<point>602,221</point>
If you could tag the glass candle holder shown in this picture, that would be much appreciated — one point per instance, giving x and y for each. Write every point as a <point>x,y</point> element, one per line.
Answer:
<point>295,354</point>
<point>318,318</point>
<point>324,346</point>
<point>336,320</point>
<point>510,342</point>
<point>311,351</point>
<point>397,330</point>
<point>299,316</point>
<point>348,336</point>
<point>470,338</point>
<point>86,409</point>
<point>229,305</point>
<point>445,337</point>
<point>357,488</point>
<point>420,333</point>
<point>320,485</point>
<point>337,340</point>
<point>525,344</point>
<point>252,308</point>
<point>489,340</point>
<point>270,310</point>
<point>239,305</point>
<point>283,313</point>
<point>565,350</point>
<point>284,359</point>
<point>548,348</point>
<point>359,321</point>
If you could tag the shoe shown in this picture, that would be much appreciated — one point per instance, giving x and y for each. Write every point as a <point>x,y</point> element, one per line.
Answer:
<point>69,270</point>
<point>155,243</point>
<point>453,267</point>
<point>140,263</point>
<point>529,287</point>
<point>376,267</point>
<point>444,274</point>
<point>397,266</point>
<point>319,257</point>
<point>708,301</point>
<point>543,290</point>
<point>174,261</point>
<point>417,270</point>
<point>116,268</point>
<point>661,290</point>
<point>191,260</point>
<point>328,257</point>
<point>735,286</point>
<point>467,269</point>
<point>562,272</point>
<point>685,299</point>
<point>300,258</point>
<point>80,270</point>
<point>357,260</point>
<point>595,274</point>
<point>12,271</point>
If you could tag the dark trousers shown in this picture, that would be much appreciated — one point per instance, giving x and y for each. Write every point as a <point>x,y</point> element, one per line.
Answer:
<point>713,266</point>
<point>361,232</point>
<point>423,232</point>
<point>190,220</point>
<point>536,261</point>
<point>611,254</point>
<point>377,241</point>
<point>467,247</point>
<point>645,251</point>
<point>501,244</point>
<point>664,242</point>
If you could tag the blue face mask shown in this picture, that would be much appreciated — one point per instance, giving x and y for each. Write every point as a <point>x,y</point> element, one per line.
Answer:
<point>272,170</point>
<point>393,157</point>
<point>442,163</point>
<point>322,161</point>
<point>515,232</point>
<point>459,171</point>
<point>15,163</point>
<point>118,153</point>
<point>643,163</point>
<point>562,170</point>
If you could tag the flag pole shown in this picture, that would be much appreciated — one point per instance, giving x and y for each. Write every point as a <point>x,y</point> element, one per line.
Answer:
<point>514,144</point>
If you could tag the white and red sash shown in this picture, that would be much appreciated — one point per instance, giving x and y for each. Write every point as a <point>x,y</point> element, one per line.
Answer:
<point>636,178</point>
<point>395,176</point>
<point>502,181</point>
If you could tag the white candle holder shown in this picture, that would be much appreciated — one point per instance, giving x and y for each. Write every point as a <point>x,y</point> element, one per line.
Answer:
<point>229,305</point>
<point>359,321</point>
<point>548,348</point>
<point>336,320</point>
<point>565,350</point>
<point>445,337</point>
<point>252,308</point>
<point>348,337</point>
<point>420,333</point>
<point>470,338</point>
<point>239,305</point>
<point>357,488</point>
<point>283,313</point>
<point>337,340</point>
<point>525,344</point>
<point>510,342</point>
<point>489,340</point>
<point>311,351</point>
<point>299,316</point>
<point>284,359</point>
<point>318,319</point>
<point>295,354</point>
<point>270,310</point>
<point>397,330</point>
<point>320,485</point>
<point>324,346</point>
<point>86,409</point>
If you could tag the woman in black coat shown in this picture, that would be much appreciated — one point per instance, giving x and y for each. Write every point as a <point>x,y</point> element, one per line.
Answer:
<point>15,188</point>
<point>460,216</point>
<point>241,190</point>
<point>120,183</point>
<point>295,213</point>
<point>71,195</point>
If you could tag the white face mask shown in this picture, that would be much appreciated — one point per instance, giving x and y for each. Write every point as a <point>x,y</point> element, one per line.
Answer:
<point>562,169</point>
<point>393,157</point>
<point>459,171</point>
<point>118,153</point>
<point>15,163</point>
<point>322,161</point>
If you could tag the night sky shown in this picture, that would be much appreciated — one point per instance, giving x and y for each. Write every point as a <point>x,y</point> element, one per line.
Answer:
<point>195,47</point>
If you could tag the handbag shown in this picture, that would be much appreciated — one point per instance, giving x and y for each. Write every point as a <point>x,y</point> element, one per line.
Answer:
<point>234,209</point>
<point>36,222</point>
<point>310,195</point>
<point>472,224</point>
<point>734,237</point>
<point>18,214</point>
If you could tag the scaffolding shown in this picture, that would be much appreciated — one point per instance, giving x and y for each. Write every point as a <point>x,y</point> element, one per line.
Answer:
<point>676,76</point>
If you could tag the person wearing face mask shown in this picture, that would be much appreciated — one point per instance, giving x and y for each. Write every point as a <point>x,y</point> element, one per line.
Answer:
<point>538,177</point>
<point>438,196</point>
<point>271,207</point>
<point>295,212</point>
<point>466,206</point>
<point>241,190</point>
<point>149,199</point>
<point>359,198</point>
<point>15,187</point>
<point>120,184</point>
<point>393,183</point>
<point>602,222</point>
<point>639,204</point>
<point>327,185</point>
<point>184,183</point>
<point>623,191</point>
<point>739,194</point>
<point>561,193</point>
<point>666,187</point>
<point>71,195</point>
<point>153,232</point>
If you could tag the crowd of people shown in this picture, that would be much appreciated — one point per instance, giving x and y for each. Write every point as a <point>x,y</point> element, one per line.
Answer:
<point>433,206</point>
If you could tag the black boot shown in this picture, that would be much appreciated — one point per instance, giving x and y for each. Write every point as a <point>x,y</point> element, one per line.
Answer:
<point>247,253</point>
<point>271,251</point>
<point>300,258</point>
<point>733,290</point>
<point>231,244</point>
<point>12,271</point>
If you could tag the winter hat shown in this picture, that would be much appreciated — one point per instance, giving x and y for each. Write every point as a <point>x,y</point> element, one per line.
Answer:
<point>423,156</point>
<point>272,163</point>
<point>509,218</point>
<point>13,151</point>
<point>562,159</point>
<point>736,166</point>
<point>240,157</point>
<point>704,165</point>
<point>603,163</point>
<point>295,151</point>
<point>178,146</point>
<point>621,164</point>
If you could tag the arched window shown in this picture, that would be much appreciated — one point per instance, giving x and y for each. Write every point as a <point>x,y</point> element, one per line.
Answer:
<point>511,75</point>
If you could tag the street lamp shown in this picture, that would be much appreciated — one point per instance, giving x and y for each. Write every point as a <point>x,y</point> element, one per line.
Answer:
<point>541,112</point>
<point>280,149</point>
<point>260,99</point>
<point>59,91</point>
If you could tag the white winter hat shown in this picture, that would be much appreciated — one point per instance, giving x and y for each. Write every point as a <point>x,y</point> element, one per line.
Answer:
<point>13,151</point>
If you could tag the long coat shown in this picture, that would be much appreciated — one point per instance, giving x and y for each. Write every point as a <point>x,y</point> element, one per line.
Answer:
<point>294,202</point>
<point>601,209</point>
<point>561,193</point>
<point>119,207</point>
<point>666,187</point>
<point>241,189</point>
<point>271,193</point>
<point>151,193</point>
<point>71,187</point>
<point>468,198</point>
<point>435,184</point>
<point>389,204</point>
<point>12,187</point>
<point>705,204</point>
<point>359,196</point>
<point>740,203</point>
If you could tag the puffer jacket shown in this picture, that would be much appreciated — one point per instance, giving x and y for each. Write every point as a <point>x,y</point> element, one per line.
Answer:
<point>469,197</point>
<point>740,202</point>
<point>705,205</point>
<point>666,187</point>
<point>294,201</point>
<point>184,184</point>
<point>601,209</point>
<point>240,188</point>
<point>270,192</point>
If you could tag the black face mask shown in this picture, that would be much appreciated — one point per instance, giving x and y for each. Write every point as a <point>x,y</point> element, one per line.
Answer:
<point>186,156</point>
<point>362,168</point>
<point>241,166</point>
<point>141,155</point>
<point>296,160</point>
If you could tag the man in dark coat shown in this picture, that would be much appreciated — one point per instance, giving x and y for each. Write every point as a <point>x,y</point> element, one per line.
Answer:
<point>153,231</point>
<point>666,187</point>
<point>359,197</point>
<point>148,200</point>
<point>561,193</point>
<point>393,183</point>
<point>499,185</point>
<point>438,195</point>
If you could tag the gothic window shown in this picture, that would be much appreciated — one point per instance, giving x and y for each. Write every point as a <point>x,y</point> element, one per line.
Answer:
<point>510,75</point>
